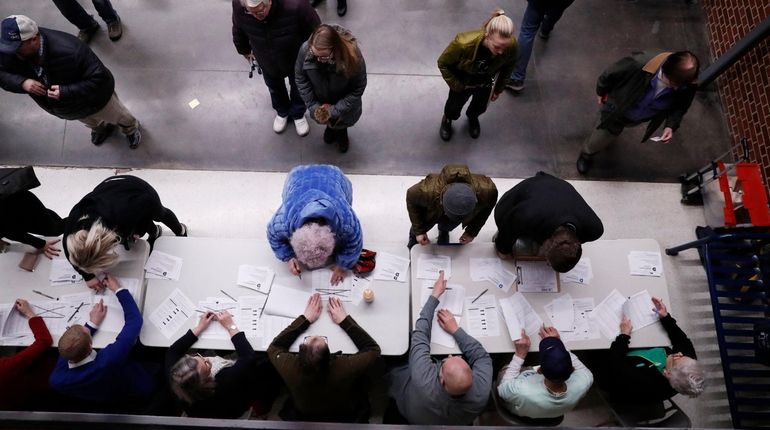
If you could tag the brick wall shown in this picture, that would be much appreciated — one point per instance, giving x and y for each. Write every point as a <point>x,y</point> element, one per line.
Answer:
<point>745,86</point>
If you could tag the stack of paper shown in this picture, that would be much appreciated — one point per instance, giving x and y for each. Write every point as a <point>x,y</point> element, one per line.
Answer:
<point>645,263</point>
<point>163,266</point>
<point>271,326</point>
<point>172,314</point>
<point>491,270</point>
<point>391,267</point>
<point>62,273</point>
<point>429,266</point>
<point>215,330</point>
<point>257,278</point>
<point>536,277</point>
<point>518,314</point>
<point>609,313</point>
<point>452,299</point>
<point>286,302</point>
<point>482,316</point>
<point>562,313</point>
<point>323,286</point>
<point>249,312</point>
<point>584,328</point>
<point>582,273</point>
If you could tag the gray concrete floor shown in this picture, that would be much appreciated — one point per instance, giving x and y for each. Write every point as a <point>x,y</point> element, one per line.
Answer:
<point>173,51</point>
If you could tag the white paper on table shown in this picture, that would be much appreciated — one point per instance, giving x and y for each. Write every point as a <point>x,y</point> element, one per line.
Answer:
<point>481,267</point>
<point>640,310</point>
<point>215,330</point>
<point>257,278</point>
<point>439,336</point>
<point>645,263</point>
<point>561,311</point>
<point>528,318</point>
<point>286,302</point>
<point>14,323</point>
<point>249,312</point>
<point>62,273</point>
<point>584,328</point>
<point>271,326</point>
<point>512,321</point>
<point>165,266</point>
<point>501,278</point>
<point>482,316</point>
<point>429,266</point>
<point>452,298</point>
<point>357,286</point>
<point>582,273</point>
<point>322,285</point>
<point>609,313</point>
<point>172,313</point>
<point>536,277</point>
<point>390,267</point>
<point>55,313</point>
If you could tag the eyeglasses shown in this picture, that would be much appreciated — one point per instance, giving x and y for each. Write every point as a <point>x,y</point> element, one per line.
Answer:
<point>324,59</point>
<point>326,339</point>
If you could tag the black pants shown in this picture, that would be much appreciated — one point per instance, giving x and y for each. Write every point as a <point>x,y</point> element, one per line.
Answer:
<point>74,12</point>
<point>479,100</point>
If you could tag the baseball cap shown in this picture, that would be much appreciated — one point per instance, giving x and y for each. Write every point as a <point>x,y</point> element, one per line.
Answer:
<point>14,30</point>
<point>458,200</point>
<point>555,361</point>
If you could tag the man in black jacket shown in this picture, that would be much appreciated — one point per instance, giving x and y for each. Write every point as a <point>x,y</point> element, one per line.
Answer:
<point>64,77</point>
<point>550,212</point>
<point>270,33</point>
<point>642,88</point>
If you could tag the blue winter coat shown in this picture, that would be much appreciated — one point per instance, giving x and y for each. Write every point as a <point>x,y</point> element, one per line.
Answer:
<point>317,191</point>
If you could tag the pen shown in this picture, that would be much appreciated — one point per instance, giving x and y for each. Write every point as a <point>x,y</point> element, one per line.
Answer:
<point>76,311</point>
<point>231,297</point>
<point>252,289</point>
<point>479,296</point>
<point>45,295</point>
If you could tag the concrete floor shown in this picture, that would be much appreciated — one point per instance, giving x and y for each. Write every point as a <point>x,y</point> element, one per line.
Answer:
<point>174,51</point>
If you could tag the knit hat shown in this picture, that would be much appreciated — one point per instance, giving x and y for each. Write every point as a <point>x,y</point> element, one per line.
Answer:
<point>458,200</point>
<point>14,30</point>
<point>555,361</point>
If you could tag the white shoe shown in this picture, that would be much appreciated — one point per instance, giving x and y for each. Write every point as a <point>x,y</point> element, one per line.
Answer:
<point>303,128</point>
<point>279,123</point>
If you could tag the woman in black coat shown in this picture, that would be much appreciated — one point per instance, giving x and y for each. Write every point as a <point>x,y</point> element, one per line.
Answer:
<point>215,387</point>
<point>23,213</point>
<point>118,211</point>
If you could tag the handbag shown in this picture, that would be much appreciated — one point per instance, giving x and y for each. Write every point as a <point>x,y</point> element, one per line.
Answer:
<point>16,179</point>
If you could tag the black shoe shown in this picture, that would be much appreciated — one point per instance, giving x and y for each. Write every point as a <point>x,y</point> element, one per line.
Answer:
<point>86,35</point>
<point>184,230</point>
<point>115,29</point>
<point>543,35</point>
<point>583,163</point>
<point>134,139</point>
<point>515,85</point>
<point>343,142</point>
<point>342,7</point>
<point>315,3</point>
<point>329,135</point>
<point>446,129</point>
<point>412,240</point>
<point>474,128</point>
<point>443,237</point>
<point>99,136</point>
<point>153,236</point>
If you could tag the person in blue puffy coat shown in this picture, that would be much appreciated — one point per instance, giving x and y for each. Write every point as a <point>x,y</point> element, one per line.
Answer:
<point>315,224</point>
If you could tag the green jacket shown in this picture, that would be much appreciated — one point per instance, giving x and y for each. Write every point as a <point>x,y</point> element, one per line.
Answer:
<point>625,82</point>
<point>457,61</point>
<point>423,199</point>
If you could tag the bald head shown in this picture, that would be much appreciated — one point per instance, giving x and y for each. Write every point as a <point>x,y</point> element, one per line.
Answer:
<point>456,376</point>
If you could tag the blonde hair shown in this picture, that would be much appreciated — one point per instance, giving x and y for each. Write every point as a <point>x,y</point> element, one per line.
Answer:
<point>75,343</point>
<point>499,24</point>
<point>92,250</point>
<point>344,46</point>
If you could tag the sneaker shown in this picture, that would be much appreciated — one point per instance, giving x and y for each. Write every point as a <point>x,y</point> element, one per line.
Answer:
<point>515,85</point>
<point>184,230</point>
<point>329,135</point>
<point>343,142</point>
<point>443,237</point>
<point>115,29</point>
<point>474,128</point>
<point>446,129</point>
<point>86,35</point>
<point>342,7</point>
<point>583,163</point>
<point>134,139</point>
<point>279,123</point>
<point>98,136</point>
<point>302,127</point>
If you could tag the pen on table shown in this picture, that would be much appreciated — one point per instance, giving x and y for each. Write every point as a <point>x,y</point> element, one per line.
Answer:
<point>76,311</point>
<point>479,296</point>
<point>45,295</point>
<point>231,297</point>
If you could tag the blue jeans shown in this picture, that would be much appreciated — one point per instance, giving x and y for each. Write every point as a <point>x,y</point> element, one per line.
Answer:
<point>285,104</point>
<point>540,14</point>
<point>74,12</point>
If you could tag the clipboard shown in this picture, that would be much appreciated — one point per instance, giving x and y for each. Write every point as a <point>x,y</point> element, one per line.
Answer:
<point>534,275</point>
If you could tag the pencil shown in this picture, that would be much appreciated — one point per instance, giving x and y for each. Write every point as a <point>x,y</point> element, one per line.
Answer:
<point>45,295</point>
<point>231,297</point>
<point>479,296</point>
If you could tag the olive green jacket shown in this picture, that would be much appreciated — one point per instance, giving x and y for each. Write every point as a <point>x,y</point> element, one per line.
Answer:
<point>423,199</point>
<point>457,61</point>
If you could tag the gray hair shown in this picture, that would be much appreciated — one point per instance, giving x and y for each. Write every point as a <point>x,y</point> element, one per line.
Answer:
<point>687,378</point>
<point>313,244</point>
<point>92,250</point>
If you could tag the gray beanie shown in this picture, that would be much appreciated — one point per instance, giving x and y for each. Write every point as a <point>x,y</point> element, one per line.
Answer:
<point>458,200</point>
